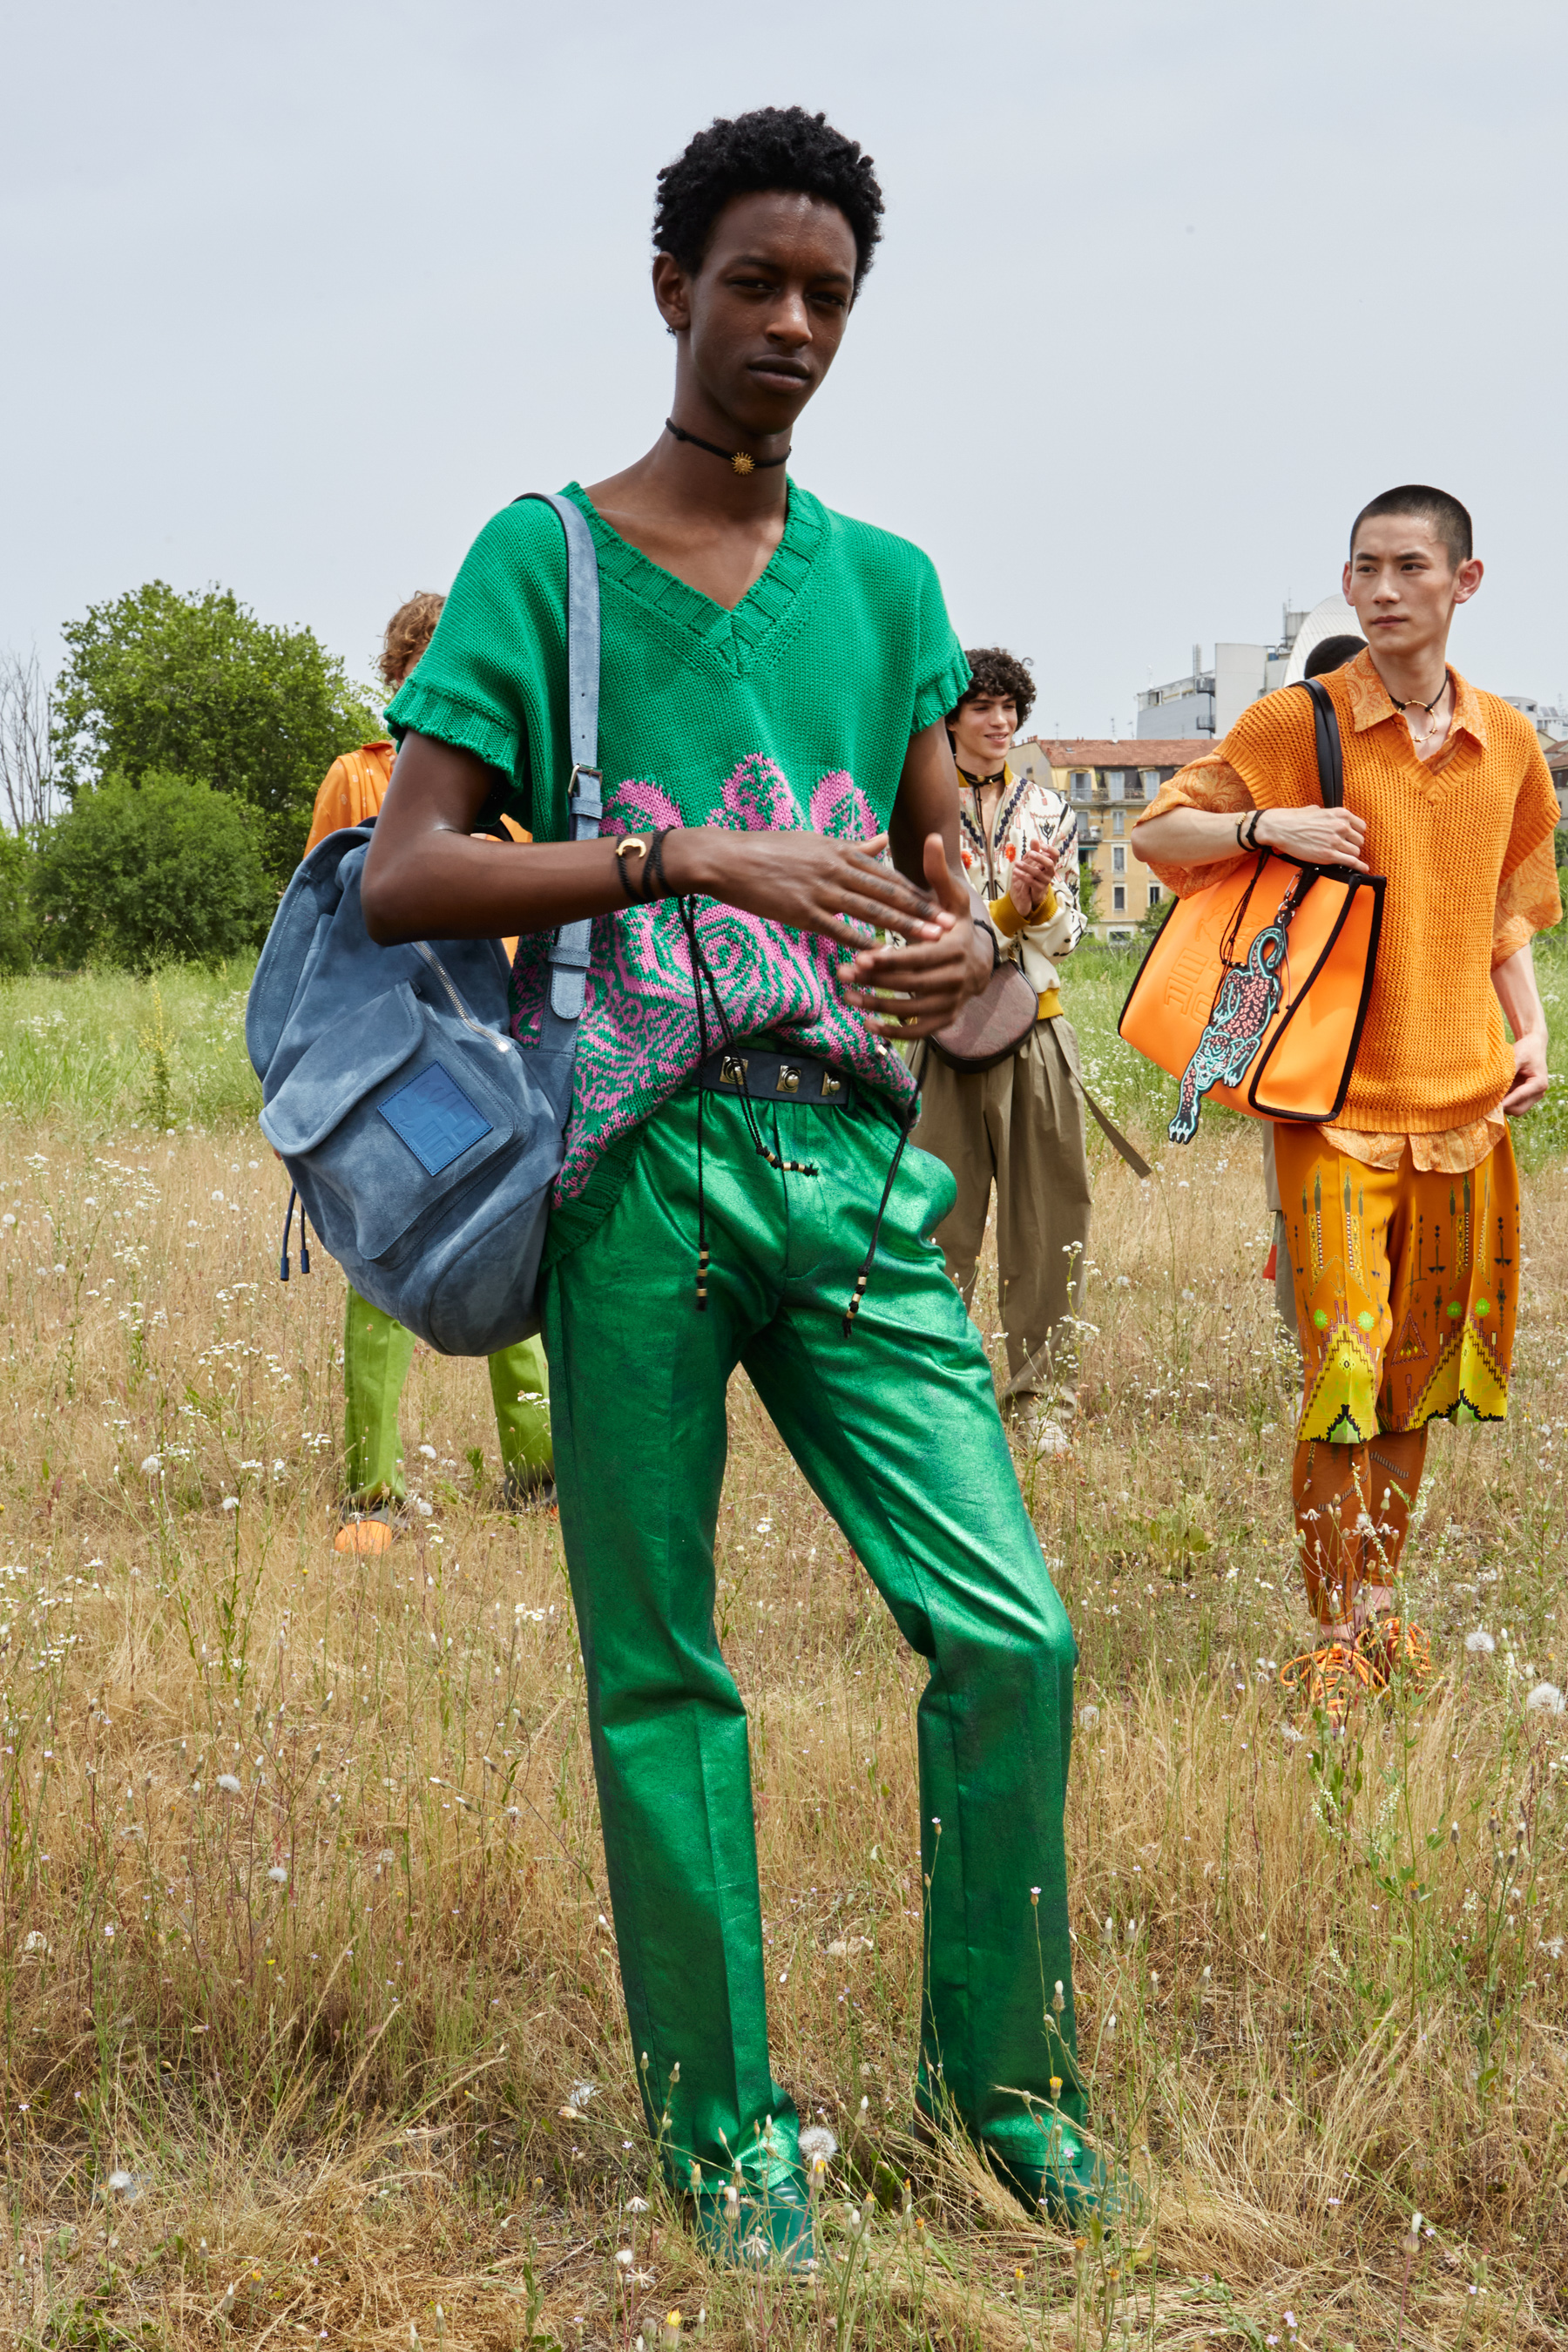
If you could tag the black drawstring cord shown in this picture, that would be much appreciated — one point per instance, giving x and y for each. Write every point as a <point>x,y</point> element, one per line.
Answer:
<point>304,1246</point>
<point>906,1128</point>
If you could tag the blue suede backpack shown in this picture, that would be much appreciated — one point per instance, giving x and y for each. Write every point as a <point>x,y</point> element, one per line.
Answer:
<point>422,1140</point>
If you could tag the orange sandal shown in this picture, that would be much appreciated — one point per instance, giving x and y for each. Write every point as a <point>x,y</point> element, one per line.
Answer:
<point>1328,1677</point>
<point>1391,1646</point>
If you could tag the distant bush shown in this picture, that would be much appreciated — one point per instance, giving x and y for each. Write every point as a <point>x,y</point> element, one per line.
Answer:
<point>155,683</point>
<point>163,871</point>
<point>17,920</point>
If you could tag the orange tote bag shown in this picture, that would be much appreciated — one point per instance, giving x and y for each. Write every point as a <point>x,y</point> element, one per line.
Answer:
<point>1255,992</point>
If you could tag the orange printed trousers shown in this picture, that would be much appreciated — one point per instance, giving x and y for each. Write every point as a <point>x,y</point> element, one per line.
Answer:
<point>1406,1287</point>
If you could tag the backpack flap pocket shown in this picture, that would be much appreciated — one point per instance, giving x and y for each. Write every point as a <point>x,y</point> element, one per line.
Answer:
<point>326,1082</point>
<point>387,1136</point>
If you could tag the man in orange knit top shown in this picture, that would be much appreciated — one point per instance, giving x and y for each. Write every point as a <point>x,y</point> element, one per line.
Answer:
<point>378,1351</point>
<point>1403,1218</point>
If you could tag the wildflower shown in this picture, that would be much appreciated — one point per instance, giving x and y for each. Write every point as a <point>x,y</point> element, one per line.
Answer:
<point>1088,1717</point>
<point>625,2256</point>
<point>1547,1700</point>
<point>122,2184</point>
<point>636,2204</point>
<point>231,1502</point>
<point>227,1781</point>
<point>1035,1896</point>
<point>815,2141</point>
<point>669,2333</point>
<point>150,1467</point>
<point>579,2094</point>
<point>1479,1643</point>
<point>278,1874</point>
<point>1058,1999</point>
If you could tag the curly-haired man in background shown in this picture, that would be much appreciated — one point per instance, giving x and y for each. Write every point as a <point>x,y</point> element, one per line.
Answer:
<point>775,680</point>
<point>1019,1125</point>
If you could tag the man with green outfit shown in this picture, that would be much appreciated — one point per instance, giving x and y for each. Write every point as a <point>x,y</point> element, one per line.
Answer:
<point>377,1351</point>
<point>735,1188</point>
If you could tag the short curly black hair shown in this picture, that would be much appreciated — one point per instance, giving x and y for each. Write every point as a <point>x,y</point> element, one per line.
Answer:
<point>773,147</point>
<point>997,673</point>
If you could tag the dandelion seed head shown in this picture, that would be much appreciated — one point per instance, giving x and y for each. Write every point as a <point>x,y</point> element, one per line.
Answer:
<point>1479,1643</point>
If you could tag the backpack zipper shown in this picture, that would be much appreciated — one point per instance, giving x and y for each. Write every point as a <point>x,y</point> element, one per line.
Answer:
<point>501,1045</point>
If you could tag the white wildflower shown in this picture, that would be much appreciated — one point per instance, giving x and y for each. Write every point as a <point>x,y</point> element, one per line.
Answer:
<point>227,1781</point>
<point>1479,1643</point>
<point>1547,1700</point>
<point>150,1467</point>
<point>1088,1717</point>
<point>815,2141</point>
<point>231,1502</point>
<point>278,1874</point>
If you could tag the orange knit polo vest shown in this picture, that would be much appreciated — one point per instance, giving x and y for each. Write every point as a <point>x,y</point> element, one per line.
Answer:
<point>1433,1054</point>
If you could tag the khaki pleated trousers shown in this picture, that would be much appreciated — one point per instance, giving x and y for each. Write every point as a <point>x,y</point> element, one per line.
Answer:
<point>1018,1128</point>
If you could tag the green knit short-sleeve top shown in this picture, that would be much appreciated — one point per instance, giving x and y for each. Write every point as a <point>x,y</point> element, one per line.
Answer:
<point>794,710</point>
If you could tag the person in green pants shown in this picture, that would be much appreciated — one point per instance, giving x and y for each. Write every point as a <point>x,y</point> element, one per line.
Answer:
<point>377,1351</point>
<point>736,1188</point>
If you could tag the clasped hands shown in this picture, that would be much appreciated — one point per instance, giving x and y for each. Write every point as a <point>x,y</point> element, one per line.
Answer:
<point>815,883</point>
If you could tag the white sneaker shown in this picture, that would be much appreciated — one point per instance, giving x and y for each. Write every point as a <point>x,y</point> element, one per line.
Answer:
<point>1037,1432</point>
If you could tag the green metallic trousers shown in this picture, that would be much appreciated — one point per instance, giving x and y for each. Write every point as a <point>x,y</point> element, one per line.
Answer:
<point>378,1353</point>
<point>897,1430</point>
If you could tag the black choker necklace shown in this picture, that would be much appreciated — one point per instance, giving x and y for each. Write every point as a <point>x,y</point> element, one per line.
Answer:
<point>741,460</point>
<point>1416,702</point>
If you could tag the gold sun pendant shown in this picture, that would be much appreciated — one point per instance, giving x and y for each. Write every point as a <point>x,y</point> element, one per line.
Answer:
<point>743,462</point>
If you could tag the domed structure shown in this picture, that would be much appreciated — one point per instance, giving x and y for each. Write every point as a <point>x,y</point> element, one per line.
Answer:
<point>1332,618</point>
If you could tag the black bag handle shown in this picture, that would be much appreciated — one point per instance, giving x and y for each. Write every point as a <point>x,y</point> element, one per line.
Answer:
<point>1331,755</point>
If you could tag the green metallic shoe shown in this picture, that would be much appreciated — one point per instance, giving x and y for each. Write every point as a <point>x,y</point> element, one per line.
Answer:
<point>744,2229</point>
<point>1073,2184</point>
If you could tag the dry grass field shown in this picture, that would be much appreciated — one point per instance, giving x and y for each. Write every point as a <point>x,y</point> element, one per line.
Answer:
<point>310,2015</point>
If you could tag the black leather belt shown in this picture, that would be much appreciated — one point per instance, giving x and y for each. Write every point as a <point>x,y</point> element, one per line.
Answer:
<point>767,1076</point>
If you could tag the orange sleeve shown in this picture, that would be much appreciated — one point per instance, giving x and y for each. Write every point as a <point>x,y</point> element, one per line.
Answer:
<point>1211,784</point>
<point>1529,898</point>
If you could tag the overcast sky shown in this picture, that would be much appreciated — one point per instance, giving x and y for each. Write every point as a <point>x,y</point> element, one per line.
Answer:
<point>297,295</point>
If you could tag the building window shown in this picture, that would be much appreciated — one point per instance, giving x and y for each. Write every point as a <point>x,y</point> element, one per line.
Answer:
<point>1116,781</point>
<point>1118,861</point>
<point>1117,823</point>
<point>1148,779</point>
<point>1118,898</point>
<point>1155,894</point>
<point>1080,780</point>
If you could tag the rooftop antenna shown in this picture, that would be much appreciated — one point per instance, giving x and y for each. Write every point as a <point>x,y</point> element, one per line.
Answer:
<point>1197,661</point>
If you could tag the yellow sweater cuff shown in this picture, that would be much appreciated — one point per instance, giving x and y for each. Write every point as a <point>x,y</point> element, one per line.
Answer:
<point>1009,922</point>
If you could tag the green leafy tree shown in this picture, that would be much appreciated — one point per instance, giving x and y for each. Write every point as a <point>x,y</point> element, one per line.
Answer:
<point>197,687</point>
<point>163,871</point>
<point>17,920</point>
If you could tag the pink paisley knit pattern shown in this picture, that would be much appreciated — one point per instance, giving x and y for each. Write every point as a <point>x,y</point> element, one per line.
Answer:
<point>639,1038</point>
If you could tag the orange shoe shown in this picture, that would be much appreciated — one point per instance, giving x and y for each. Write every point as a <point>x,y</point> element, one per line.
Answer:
<point>1392,1645</point>
<point>366,1531</point>
<point>1328,1677</point>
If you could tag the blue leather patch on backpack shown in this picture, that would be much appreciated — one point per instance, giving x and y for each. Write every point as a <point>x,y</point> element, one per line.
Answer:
<point>434,1118</point>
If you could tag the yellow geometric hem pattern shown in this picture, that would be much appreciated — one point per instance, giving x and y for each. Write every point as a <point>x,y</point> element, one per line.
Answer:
<point>1406,1287</point>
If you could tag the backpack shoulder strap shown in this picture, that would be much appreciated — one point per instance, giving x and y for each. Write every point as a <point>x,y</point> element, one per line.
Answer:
<point>571,954</point>
<point>1331,756</point>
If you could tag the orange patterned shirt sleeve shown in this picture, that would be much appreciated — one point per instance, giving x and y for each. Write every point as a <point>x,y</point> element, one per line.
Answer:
<point>1528,900</point>
<point>1212,786</point>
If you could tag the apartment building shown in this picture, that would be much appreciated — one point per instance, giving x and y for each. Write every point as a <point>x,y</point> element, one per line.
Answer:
<point>1110,785</point>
